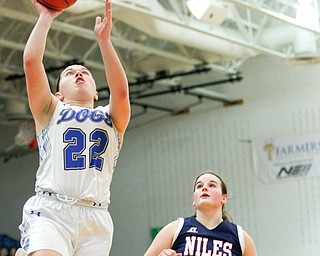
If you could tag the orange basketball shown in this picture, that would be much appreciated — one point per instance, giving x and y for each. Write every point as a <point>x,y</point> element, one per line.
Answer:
<point>58,5</point>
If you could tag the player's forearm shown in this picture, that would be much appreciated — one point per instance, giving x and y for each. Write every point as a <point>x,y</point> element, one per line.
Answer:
<point>118,85</point>
<point>39,93</point>
<point>116,77</point>
<point>35,45</point>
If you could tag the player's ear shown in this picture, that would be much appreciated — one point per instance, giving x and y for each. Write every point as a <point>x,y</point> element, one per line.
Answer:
<point>59,95</point>
<point>96,96</point>
<point>224,198</point>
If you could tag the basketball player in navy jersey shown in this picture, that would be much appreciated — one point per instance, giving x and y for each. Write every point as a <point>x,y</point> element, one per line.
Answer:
<point>209,232</point>
<point>78,148</point>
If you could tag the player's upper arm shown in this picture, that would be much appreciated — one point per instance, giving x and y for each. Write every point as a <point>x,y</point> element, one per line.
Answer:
<point>163,240</point>
<point>41,101</point>
<point>250,249</point>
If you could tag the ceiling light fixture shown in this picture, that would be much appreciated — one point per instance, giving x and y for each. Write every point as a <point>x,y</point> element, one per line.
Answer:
<point>307,14</point>
<point>207,10</point>
<point>305,47</point>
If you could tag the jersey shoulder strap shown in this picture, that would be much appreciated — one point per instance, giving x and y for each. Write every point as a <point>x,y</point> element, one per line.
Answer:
<point>241,238</point>
<point>180,225</point>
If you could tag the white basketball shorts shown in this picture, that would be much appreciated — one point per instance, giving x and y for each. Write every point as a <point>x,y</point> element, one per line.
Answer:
<point>65,228</point>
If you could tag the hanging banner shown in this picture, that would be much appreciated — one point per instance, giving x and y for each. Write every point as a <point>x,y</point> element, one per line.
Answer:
<point>288,158</point>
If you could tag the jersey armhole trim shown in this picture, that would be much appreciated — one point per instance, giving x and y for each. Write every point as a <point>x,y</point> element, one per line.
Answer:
<point>179,227</point>
<point>241,238</point>
<point>115,129</point>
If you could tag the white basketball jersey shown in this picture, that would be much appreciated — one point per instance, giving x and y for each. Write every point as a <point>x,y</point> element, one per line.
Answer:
<point>78,152</point>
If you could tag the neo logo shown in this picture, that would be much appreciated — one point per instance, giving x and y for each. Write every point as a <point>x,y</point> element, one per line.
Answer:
<point>294,171</point>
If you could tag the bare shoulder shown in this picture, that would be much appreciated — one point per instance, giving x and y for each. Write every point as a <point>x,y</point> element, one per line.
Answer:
<point>43,118</point>
<point>170,229</point>
<point>163,240</point>
<point>173,225</point>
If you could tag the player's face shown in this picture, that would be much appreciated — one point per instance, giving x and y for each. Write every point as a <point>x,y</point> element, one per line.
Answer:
<point>208,191</point>
<point>77,82</point>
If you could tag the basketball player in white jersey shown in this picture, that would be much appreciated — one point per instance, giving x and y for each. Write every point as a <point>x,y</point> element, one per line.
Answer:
<point>78,148</point>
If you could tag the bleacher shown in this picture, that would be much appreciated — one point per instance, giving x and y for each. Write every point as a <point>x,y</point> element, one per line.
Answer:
<point>8,243</point>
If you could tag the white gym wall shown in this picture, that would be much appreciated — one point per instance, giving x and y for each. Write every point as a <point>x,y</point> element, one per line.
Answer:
<point>153,181</point>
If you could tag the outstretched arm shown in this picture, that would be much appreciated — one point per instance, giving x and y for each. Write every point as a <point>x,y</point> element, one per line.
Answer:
<point>250,249</point>
<point>163,242</point>
<point>116,77</point>
<point>41,101</point>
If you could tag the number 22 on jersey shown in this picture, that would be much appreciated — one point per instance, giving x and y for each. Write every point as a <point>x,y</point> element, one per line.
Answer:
<point>74,151</point>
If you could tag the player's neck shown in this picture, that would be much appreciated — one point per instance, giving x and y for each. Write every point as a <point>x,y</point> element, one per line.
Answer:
<point>209,219</point>
<point>79,103</point>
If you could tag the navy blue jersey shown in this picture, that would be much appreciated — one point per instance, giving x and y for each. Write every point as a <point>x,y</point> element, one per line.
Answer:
<point>194,239</point>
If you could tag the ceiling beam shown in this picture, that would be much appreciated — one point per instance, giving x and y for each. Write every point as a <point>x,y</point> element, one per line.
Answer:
<point>205,30</point>
<point>89,35</point>
<point>273,14</point>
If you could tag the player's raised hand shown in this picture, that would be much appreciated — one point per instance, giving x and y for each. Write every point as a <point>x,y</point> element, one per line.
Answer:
<point>102,28</point>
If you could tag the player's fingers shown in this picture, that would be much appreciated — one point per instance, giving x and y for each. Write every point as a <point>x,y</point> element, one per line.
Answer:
<point>168,252</point>
<point>98,20</point>
<point>108,10</point>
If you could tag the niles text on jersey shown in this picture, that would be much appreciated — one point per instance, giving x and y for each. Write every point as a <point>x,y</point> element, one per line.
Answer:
<point>200,246</point>
<point>82,115</point>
